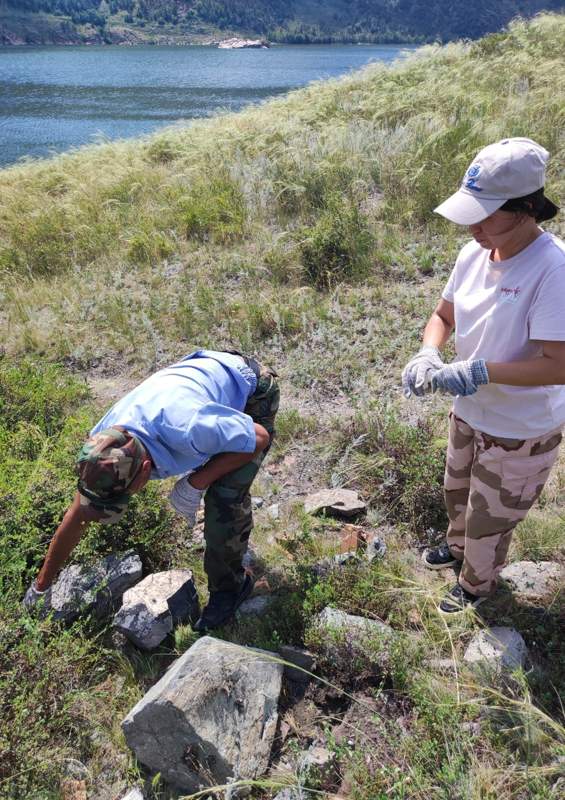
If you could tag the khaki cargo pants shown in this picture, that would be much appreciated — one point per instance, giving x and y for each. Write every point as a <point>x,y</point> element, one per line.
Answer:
<point>490,485</point>
<point>228,519</point>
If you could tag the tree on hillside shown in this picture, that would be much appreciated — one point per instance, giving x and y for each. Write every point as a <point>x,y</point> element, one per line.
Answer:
<point>291,20</point>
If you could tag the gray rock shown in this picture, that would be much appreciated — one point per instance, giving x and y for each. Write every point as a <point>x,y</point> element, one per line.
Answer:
<point>534,580</point>
<point>134,794</point>
<point>256,606</point>
<point>75,769</point>
<point>273,512</point>
<point>325,565</point>
<point>346,636</point>
<point>257,502</point>
<point>249,557</point>
<point>338,502</point>
<point>318,766</point>
<point>376,549</point>
<point>238,44</point>
<point>496,649</point>
<point>302,659</point>
<point>93,589</point>
<point>212,717</point>
<point>344,559</point>
<point>151,609</point>
<point>237,792</point>
<point>294,793</point>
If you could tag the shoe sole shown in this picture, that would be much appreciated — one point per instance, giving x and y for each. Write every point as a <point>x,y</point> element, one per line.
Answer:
<point>462,609</point>
<point>438,566</point>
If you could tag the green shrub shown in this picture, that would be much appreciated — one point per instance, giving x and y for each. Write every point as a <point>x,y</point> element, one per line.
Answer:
<point>338,246</point>
<point>149,248</point>
<point>214,210</point>
<point>37,393</point>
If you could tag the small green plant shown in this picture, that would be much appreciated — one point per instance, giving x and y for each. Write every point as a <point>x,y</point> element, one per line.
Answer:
<point>292,425</point>
<point>338,246</point>
<point>214,209</point>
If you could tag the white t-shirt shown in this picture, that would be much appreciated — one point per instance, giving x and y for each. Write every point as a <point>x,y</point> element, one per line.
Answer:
<point>503,310</point>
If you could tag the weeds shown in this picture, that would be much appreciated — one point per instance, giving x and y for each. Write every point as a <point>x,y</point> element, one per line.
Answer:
<point>399,467</point>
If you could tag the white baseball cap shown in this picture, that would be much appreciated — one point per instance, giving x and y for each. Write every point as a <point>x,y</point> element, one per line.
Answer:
<point>500,172</point>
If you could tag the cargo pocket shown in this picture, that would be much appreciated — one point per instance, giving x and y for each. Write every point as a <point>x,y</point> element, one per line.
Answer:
<point>523,478</point>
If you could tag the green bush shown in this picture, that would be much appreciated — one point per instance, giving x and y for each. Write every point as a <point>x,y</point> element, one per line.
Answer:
<point>338,246</point>
<point>214,210</point>
<point>37,393</point>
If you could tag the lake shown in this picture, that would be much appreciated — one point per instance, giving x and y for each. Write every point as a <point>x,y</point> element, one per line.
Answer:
<point>55,98</point>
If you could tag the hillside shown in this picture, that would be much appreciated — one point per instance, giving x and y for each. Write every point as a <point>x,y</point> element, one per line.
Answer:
<point>300,230</point>
<point>131,21</point>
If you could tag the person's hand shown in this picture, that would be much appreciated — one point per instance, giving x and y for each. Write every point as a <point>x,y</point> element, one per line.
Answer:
<point>35,599</point>
<point>417,374</point>
<point>186,500</point>
<point>461,378</point>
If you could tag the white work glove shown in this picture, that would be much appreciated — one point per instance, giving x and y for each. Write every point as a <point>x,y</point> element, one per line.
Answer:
<point>186,500</point>
<point>33,597</point>
<point>417,374</point>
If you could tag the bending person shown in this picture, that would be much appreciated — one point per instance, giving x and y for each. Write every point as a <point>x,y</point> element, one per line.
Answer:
<point>505,300</point>
<point>210,419</point>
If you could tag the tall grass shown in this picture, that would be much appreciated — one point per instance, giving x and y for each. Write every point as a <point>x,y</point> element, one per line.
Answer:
<point>141,217</point>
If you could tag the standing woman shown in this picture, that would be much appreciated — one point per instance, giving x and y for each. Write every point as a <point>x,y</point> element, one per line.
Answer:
<point>505,299</point>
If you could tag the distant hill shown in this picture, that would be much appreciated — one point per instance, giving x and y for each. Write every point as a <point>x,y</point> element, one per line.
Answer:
<point>131,21</point>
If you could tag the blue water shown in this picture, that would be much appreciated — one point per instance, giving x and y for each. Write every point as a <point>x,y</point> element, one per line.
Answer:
<point>55,98</point>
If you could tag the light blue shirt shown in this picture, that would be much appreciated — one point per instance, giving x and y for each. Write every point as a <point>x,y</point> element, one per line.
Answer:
<point>188,412</point>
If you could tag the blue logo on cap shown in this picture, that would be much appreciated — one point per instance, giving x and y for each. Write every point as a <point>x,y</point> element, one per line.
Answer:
<point>472,177</point>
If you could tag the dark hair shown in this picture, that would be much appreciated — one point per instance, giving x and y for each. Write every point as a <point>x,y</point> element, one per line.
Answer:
<point>536,205</point>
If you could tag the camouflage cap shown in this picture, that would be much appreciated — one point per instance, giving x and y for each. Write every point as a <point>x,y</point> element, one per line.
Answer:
<point>106,465</point>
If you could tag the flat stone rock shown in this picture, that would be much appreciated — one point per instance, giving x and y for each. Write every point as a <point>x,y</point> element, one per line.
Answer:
<point>534,580</point>
<point>95,589</point>
<point>152,608</point>
<point>302,659</point>
<point>293,793</point>
<point>212,717</point>
<point>256,606</point>
<point>351,635</point>
<point>337,502</point>
<point>496,648</point>
<point>352,538</point>
<point>134,794</point>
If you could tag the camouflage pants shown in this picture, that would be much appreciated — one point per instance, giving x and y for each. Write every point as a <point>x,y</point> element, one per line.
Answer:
<point>490,485</point>
<point>227,503</point>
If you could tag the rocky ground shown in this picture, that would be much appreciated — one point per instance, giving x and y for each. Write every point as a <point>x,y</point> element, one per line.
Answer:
<point>224,714</point>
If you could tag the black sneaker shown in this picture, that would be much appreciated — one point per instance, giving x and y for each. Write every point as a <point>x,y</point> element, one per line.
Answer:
<point>458,599</point>
<point>438,557</point>
<point>222,606</point>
